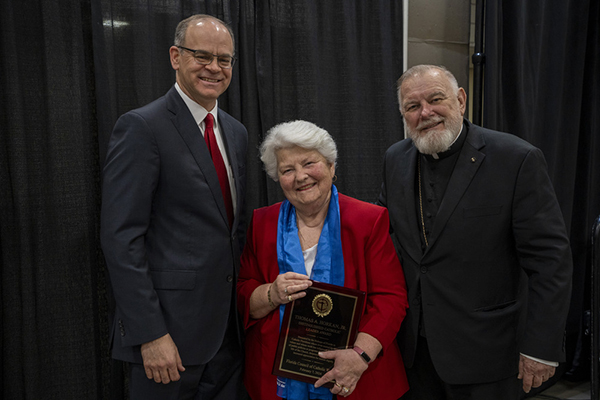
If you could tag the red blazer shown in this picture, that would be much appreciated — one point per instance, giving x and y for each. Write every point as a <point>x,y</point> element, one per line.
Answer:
<point>370,265</point>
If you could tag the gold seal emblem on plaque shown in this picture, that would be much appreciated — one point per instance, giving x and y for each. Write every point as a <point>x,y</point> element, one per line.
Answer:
<point>322,305</point>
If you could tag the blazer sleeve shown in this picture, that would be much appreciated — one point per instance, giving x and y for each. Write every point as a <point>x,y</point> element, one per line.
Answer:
<point>130,178</point>
<point>386,289</point>
<point>544,254</point>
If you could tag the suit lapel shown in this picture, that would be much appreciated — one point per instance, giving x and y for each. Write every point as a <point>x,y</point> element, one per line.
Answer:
<point>190,133</point>
<point>229,142</point>
<point>469,161</point>
<point>407,172</point>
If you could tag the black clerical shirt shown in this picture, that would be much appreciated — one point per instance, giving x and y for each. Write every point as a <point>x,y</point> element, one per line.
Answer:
<point>435,175</point>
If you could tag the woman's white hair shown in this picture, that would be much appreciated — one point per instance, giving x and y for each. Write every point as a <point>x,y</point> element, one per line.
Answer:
<point>295,133</point>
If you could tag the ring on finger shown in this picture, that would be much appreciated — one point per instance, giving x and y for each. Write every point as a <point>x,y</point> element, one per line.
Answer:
<point>290,298</point>
<point>345,389</point>
<point>338,385</point>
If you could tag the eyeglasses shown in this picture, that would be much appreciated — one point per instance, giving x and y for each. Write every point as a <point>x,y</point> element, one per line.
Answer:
<point>206,57</point>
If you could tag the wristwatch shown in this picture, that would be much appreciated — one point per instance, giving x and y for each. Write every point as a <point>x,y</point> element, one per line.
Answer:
<point>363,354</point>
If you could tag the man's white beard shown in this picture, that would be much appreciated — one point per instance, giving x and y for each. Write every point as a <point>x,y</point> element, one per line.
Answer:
<point>435,141</point>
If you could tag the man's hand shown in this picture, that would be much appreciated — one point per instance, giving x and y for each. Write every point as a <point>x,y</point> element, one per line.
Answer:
<point>533,373</point>
<point>161,360</point>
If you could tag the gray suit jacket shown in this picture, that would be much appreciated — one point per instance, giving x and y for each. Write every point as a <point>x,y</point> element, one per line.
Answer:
<point>496,277</point>
<point>171,256</point>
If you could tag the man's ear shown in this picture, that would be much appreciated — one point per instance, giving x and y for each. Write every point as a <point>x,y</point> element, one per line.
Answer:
<point>175,56</point>
<point>462,100</point>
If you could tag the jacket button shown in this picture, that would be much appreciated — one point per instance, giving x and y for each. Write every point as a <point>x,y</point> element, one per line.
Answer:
<point>423,270</point>
<point>229,278</point>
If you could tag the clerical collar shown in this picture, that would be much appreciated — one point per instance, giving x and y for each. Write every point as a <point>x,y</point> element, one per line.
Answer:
<point>455,146</point>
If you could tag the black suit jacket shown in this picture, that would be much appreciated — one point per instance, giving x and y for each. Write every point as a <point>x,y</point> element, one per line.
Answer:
<point>171,256</point>
<point>496,277</point>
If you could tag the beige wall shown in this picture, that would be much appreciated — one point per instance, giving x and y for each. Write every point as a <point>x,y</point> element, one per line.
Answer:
<point>439,33</point>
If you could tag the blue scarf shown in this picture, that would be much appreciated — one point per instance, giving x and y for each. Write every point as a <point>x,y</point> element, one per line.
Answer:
<point>328,268</point>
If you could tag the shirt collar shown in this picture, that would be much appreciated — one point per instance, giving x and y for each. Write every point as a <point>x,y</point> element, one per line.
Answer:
<point>198,112</point>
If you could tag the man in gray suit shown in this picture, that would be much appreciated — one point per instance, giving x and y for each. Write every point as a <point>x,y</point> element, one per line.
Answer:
<point>173,227</point>
<point>483,246</point>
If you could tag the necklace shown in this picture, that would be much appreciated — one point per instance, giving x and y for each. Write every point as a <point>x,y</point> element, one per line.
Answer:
<point>305,244</point>
<point>302,240</point>
<point>421,200</point>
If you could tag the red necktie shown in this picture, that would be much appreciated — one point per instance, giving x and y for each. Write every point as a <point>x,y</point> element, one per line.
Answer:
<point>213,149</point>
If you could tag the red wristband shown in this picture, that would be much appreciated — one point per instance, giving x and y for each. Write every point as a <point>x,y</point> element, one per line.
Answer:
<point>363,354</point>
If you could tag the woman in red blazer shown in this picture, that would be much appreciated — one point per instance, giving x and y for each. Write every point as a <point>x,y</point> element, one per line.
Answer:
<point>330,238</point>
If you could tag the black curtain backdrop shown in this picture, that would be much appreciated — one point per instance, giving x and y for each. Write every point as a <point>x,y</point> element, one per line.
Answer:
<point>69,68</point>
<point>52,332</point>
<point>542,83</point>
